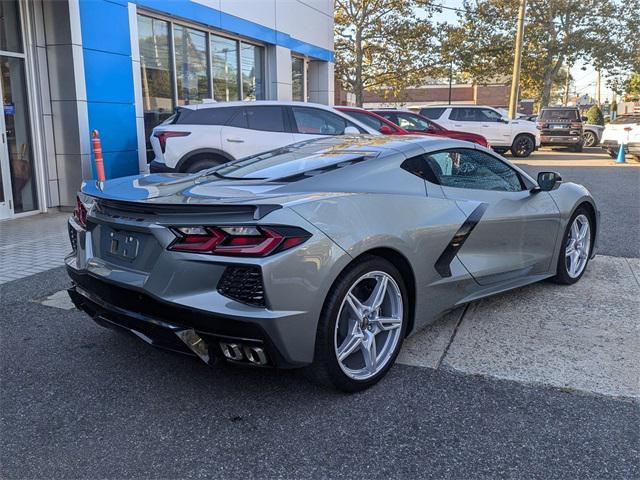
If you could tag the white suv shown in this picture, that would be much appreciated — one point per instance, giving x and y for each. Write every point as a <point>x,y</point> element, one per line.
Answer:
<point>519,136</point>
<point>204,135</point>
<point>624,129</point>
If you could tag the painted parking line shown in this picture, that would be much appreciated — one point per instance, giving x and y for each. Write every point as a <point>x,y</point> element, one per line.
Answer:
<point>582,337</point>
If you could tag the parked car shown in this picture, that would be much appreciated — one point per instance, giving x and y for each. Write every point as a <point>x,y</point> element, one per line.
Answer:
<point>561,127</point>
<point>299,256</point>
<point>209,134</point>
<point>623,129</point>
<point>591,133</point>
<point>384,121</point>
<point>519,136</point>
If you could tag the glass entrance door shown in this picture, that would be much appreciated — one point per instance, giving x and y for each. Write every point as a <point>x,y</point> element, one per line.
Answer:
<point>6,207</point>
<point>20,188</point>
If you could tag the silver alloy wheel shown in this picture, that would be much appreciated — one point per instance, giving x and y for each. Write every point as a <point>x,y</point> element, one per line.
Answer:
<point>369,325</point>
<point>578,246</point>
<point>589,138</point>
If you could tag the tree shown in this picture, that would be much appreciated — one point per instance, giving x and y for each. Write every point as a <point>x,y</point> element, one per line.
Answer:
<point>595,116</point>
<point>632,87</point>
<point>557,33</point>
<point>383,45</point>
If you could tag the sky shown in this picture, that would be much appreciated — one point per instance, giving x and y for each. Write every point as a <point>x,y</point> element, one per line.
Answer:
<point>584,80</point>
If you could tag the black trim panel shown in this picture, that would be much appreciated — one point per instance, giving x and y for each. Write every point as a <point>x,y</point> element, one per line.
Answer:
<point>443,264</point>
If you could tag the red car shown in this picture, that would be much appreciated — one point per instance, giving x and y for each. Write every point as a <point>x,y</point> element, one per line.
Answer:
<point>401,122</point>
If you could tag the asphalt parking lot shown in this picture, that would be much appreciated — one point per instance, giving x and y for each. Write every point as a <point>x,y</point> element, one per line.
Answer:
<point>537,383</point>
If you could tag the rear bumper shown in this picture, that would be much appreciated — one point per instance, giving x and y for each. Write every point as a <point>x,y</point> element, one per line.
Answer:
<point>613,145</point>
<point>547,140</point>
<point>158,167</point>
<point>163,324</point>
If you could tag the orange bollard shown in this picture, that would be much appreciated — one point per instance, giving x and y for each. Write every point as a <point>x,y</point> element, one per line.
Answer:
<point>97,155</point>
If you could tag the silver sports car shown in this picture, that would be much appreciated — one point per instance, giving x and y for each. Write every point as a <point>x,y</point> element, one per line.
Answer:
<point>324,254</point>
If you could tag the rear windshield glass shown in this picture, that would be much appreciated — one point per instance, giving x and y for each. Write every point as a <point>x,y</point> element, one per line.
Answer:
<point>622,119</point>
<point>287,161</point>
<point>552,114</point>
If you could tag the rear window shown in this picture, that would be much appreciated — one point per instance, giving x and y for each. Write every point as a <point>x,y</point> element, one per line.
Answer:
<point>432,113</point>
<point>556,114</point>
<point>204,116</point>
<point>623,119</point>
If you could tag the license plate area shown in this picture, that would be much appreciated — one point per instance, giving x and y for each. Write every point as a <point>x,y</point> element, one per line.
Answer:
<point>558,127</point>
<point>124,245</point>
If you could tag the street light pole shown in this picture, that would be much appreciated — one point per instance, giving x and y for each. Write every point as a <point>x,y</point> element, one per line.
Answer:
<point>517,60</point>
<point>450,79</point>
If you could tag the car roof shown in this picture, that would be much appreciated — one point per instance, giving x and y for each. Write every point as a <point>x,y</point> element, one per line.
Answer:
<point>559,108</point>
<point>244,103</point>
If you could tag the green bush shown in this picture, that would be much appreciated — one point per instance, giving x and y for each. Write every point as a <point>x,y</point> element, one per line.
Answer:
<point>594,116</point>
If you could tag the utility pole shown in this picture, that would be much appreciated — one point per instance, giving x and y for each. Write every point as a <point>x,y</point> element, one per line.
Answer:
<point>598,88</point>
<point>566,86</point>
<point>450,79</point>
<point>517,60</point>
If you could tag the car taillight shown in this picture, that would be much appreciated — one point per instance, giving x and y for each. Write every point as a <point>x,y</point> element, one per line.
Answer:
<point>250,241</point>
<point>163,135</point>
<point>541,125</point>
<point>576,125</point>
<point>80,213</point>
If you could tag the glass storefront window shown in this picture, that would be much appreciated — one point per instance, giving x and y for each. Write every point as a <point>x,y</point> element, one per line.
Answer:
<point>297,79</point>
<point>252,70</point>
<point>192,70</point>
<point>224,66</point>
<point>155,66</point>
<point>13,85</point>
<point>10,31</point>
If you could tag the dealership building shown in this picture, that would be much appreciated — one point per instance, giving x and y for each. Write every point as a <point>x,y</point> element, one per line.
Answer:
<point>121,67</point>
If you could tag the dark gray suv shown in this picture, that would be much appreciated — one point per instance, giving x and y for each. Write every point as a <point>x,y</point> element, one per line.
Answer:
<point>561,126</point>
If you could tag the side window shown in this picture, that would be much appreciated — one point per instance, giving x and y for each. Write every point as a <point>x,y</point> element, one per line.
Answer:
<point>318,122</point>
<point>432,113</point>
<point>239,120</point>
<point>268,119</point>
<point>368,120</point>
<point>489,115</point>
<point>466,168</point>
<point>389,116</point>
<point>205,116</point>
<point>466,115</point>
<point>412,122</point>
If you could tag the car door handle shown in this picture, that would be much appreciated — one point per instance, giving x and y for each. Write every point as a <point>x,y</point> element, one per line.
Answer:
<point>235,140</point>
<point>457,125</point>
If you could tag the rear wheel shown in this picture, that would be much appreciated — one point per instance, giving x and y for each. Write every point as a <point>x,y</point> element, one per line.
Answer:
<point>576,248</point>
<point>523,146</point>
<point>202,164</point>
<point>613,153</point>
<point>590,139</point>
<point>362,326</point>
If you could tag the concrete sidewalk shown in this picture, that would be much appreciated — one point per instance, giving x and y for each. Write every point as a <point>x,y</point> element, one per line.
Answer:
<point>32,245</point>
<point>583,337</point>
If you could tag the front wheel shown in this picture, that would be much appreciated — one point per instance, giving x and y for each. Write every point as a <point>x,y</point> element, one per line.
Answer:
<point>523,146</point>
<point>575,249</point>
<point>362,326</point>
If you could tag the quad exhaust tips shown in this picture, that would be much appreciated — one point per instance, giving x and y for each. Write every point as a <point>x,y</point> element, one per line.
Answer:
<point>239,353</point>
<point>232,351</point>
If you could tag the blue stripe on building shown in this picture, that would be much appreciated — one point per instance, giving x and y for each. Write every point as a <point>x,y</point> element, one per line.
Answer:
<point>108,67</point>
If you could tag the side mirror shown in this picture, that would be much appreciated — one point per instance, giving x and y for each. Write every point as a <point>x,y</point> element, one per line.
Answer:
<point>351,131</point>
<point>386,130</point>
<point>547,181</point>
<point>584,119</point>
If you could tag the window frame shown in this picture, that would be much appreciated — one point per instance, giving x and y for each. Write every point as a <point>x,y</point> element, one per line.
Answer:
<point>430,175</point>
<point>208,32</point>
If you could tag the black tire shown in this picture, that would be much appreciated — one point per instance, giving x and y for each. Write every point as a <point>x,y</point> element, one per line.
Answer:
<point>523,146</point>
<point>325,369</point>
<point>202,164</point>
<point>613,153</point>
<point>590,139</point>
<point>562,275</point>
<point>576,148</point>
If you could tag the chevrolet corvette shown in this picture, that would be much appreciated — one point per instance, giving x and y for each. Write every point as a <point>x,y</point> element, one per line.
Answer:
<point>325,254</point>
